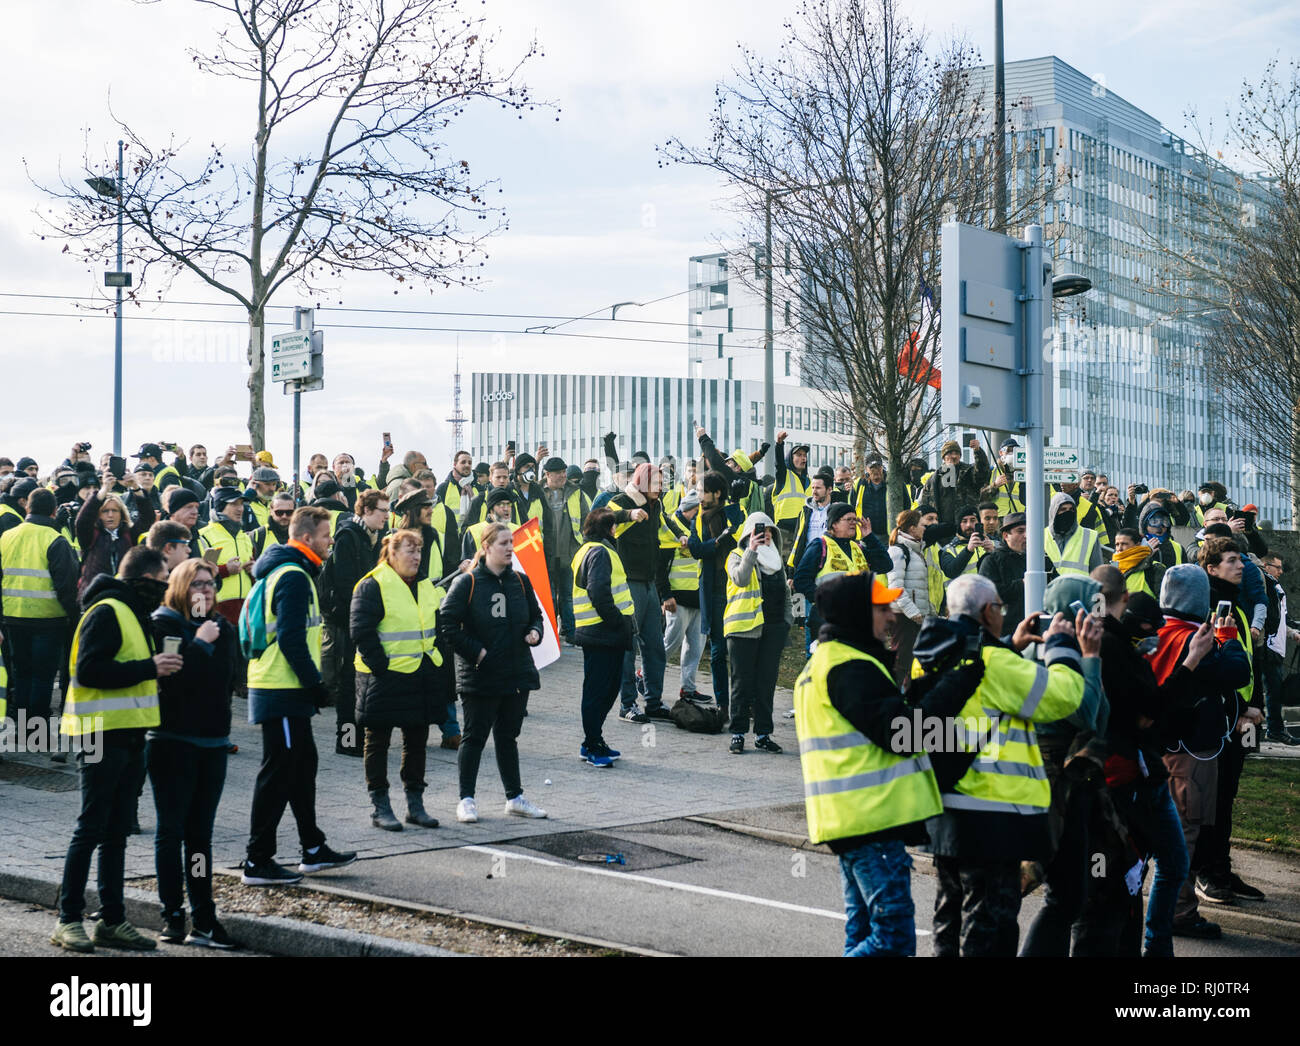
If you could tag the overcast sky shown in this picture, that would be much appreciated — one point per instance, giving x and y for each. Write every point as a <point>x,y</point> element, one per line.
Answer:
<point>593,218</point>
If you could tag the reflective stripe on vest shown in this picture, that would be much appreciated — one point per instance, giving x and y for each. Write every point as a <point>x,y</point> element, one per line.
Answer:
<point>836,562</point>
<point>1073,559</point>
<point>852,786</point>
<point>126,708</point>
<point>789,501</point>
<point>231,546</point>
<point>684,572</point>
<point>744,609</point>
<point>28,588</point>
<point>272,670</point>
<point>408,629</point>
<point>668,502</point>
<point>585,614</point>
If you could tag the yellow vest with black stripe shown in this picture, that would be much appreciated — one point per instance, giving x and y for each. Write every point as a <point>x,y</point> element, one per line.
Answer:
<point>272,671</point>
<point>788,502</point>
<point>744,609</point>
<point>997,720</point>
<point>88,709</point>
<point>237,546</point>
<point>408,629</point>
<point>28,587</point>
<point>851,785</point>
<point>1073,559</point>
<point>835,562</point>
<point>584,611</point>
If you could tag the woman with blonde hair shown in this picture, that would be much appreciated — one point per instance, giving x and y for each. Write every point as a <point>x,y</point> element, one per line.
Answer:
<point>105,531</point>
<point>911,574</point>
<point>187,750</point>
<point>393,623</point>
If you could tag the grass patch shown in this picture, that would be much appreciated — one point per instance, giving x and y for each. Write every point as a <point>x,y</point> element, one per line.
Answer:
<point>1267,810</point>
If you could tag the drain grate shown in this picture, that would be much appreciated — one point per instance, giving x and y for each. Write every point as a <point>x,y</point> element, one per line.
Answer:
<point>42,778</point>
<point>604,850</point>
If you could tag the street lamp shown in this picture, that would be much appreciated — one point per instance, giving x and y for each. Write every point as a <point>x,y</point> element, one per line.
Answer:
<point>111,188</point>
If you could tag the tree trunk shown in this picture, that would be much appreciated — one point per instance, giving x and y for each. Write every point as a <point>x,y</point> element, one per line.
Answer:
<point>1294,457</point>
<point>896,496</point>
<point>256,378</point>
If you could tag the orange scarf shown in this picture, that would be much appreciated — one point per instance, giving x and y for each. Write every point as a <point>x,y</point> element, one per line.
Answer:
<point>306,551</point>
<point>1130,558</point>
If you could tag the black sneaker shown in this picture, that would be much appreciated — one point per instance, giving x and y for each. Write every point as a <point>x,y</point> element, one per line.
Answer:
<point>633,715</point>
<point>1283,738</point>
<point>737,744</point>
<point>767,745</point>
<point>213,937</point>
<point>267,874</point>
<point>661,712</point>
<point>323,858</point>
<point>1198,927</point>
<point>1215,890</point>
<point>1242,889</point>
<point>173,930</point>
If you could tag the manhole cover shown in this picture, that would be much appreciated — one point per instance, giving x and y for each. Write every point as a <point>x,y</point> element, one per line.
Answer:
<point>41,778</point>
<point>603,850</point>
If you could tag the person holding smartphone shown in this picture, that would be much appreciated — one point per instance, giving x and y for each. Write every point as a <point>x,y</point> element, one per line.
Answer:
<point>105,531</point>
<point>186,753</point>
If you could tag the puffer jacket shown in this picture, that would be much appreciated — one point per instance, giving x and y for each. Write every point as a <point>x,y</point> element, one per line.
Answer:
<point>386,699</point>
<point>470,621</point>
<point>911,574</point>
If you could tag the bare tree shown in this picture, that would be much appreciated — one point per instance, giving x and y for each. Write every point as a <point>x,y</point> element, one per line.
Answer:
<point>1233,268</point>
<point>375,84</point>
<point>862,140</point>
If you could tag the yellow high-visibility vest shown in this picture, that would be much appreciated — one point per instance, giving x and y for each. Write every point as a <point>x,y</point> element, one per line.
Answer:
<point>835,562</point>
<point>744,609</point>
<point>584,611</point>
<point>87,709</point>
<point>28,585</point>
<point>788,502</point>
<point>231,546</point>
<point>408,629</point>
<point>272,671</point>
<point>1073,559</point>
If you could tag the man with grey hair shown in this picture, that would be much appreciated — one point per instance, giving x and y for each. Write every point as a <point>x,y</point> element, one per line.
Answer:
<point>994,787</point>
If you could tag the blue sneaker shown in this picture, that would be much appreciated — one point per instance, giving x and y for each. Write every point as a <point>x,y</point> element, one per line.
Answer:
<point>607,751</point>
<point>596,758</point>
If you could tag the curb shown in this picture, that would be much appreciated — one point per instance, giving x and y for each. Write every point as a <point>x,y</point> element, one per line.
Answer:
<point>265,933</point>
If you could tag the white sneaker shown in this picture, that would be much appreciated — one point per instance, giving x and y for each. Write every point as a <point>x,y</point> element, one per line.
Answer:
<point>519,806</point>
<point>467,811</point>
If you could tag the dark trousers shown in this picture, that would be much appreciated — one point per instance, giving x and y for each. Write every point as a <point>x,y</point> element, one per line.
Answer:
<point>37,651</point>
<point>339,673</point>
<point>718,652</point>
<point>1066,882</point>
<point>1273,670</point>
<point>187,783</point>
<point>287,777</point>
<point>108,791</point>
<point>502,717</point>
<point>411,771</point>
<point>602,673</point>
<point>976,908</point>
<point>754,664</point>
<point>562,593</point>
<point>1213,856</point>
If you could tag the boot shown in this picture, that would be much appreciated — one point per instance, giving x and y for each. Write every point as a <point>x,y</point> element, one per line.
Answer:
<point>415,812</point>
<point>383,817</point>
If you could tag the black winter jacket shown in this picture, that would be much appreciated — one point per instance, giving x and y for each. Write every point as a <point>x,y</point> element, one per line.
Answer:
<point>353,557</point>
<point>638,545</point>
<point>470,621</point>
<point>100,552</point>
<point>386,699</point>
<point>196,700</point>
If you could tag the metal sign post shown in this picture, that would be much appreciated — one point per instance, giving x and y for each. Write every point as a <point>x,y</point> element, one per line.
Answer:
<point>1033,420</point>
<point>297,360</point>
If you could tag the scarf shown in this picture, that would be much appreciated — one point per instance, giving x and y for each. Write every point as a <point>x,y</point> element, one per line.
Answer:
<point>1174,637</point>
<point>769,559</point>
<point>1131,558</point>
<point>306,551</point>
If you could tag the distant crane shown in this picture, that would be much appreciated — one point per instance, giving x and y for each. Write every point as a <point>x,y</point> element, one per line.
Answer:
<point>457,418</point>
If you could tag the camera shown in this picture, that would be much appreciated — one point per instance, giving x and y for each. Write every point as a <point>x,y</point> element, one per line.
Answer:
<point>83,447</point>
<point>1141,488</point>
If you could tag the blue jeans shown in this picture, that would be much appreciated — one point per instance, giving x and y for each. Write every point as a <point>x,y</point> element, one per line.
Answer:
<point>650,640</point>
<point>1170,853</point>
<point>109,789</point>
<point>37,652</point>
<point>877,880</point>
<point>187,783</point>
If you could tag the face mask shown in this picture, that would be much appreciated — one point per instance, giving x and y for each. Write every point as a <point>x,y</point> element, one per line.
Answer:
<point>149,591</point>
<point>1207,500</point>
<point>1063,522</point>
<point>529,476</point>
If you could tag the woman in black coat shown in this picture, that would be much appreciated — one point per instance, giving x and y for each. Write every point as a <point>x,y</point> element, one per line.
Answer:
<point>490,618</point>
<point>389,697</point>
<point>187,751</point>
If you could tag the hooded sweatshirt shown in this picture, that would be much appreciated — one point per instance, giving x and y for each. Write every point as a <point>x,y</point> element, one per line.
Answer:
<point>1062,537</point>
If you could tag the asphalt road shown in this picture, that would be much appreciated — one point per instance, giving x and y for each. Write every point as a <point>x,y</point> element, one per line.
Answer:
<point>686,889</point>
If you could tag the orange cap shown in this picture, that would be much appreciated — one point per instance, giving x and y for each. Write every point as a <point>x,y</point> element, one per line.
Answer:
<point>881,593</point>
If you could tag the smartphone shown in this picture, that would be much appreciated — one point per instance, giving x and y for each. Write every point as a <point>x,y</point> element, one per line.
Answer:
<point>243,452</point>
<point>213,556</point>
<point>117,466</point>
<point>388,439</point>
<point>171,644</point>
<point>1040,624</point>
<point>511,446</point>
<point>760,528</point>
<point>1077,607</point>
<point>1224,609</point>
<point>979,529</point>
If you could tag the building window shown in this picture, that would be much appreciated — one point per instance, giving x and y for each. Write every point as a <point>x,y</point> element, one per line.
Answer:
<point>731,320</point>
<point>720,337</point>
<point>753,412</point>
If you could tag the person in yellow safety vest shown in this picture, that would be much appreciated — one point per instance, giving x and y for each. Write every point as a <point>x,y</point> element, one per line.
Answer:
<point>1209,494</point>
<point>393,622</point>
<point>143,492</point>
<point>276,531</point>
<point>1007,494</point>
<point>564,508</point>
<point>1135,560</point>
<point>38,595</point>
<point>790,490</point>
<point>918,474</point>
<point>261,488</point>
<point>15,488</point>
<point>1156,527</point>
<point>670,497</point>
<point>318,463</point>
<point>963,553</point>
<point>1087,513</point>
<point>285,690</point>
<point>526,489</point>
<point>992,780</point>
<point>604,618</point>
<point>868,783</point>
<point>112,701</point>
<point>164,476</point>
<point>682,609</point>
<point>1071,548</point>
<point>456,487</point>
<point>501,507</point>
<point>498,479</point>
<point>234,551</point>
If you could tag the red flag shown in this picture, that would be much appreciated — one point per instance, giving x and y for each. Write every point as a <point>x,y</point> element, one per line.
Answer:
<point>531,560</point>
<point>926,372</point>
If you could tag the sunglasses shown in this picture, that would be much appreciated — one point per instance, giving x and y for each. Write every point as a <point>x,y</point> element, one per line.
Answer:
<point>280,514</point>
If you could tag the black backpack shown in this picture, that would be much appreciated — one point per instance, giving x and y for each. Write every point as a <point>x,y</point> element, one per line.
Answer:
<point>699,717</point>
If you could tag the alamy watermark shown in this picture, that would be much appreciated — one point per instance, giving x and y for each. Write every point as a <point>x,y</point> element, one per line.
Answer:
<point>39,735</point>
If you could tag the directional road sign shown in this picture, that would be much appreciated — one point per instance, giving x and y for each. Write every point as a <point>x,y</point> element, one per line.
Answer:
<point>1059,459</point>
<point>1052,476</point>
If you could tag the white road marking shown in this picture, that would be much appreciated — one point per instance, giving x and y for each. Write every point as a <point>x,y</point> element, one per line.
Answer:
<point>669,884</point>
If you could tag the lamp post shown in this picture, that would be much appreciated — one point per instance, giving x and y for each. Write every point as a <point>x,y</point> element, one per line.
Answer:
<point>109,187</point>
